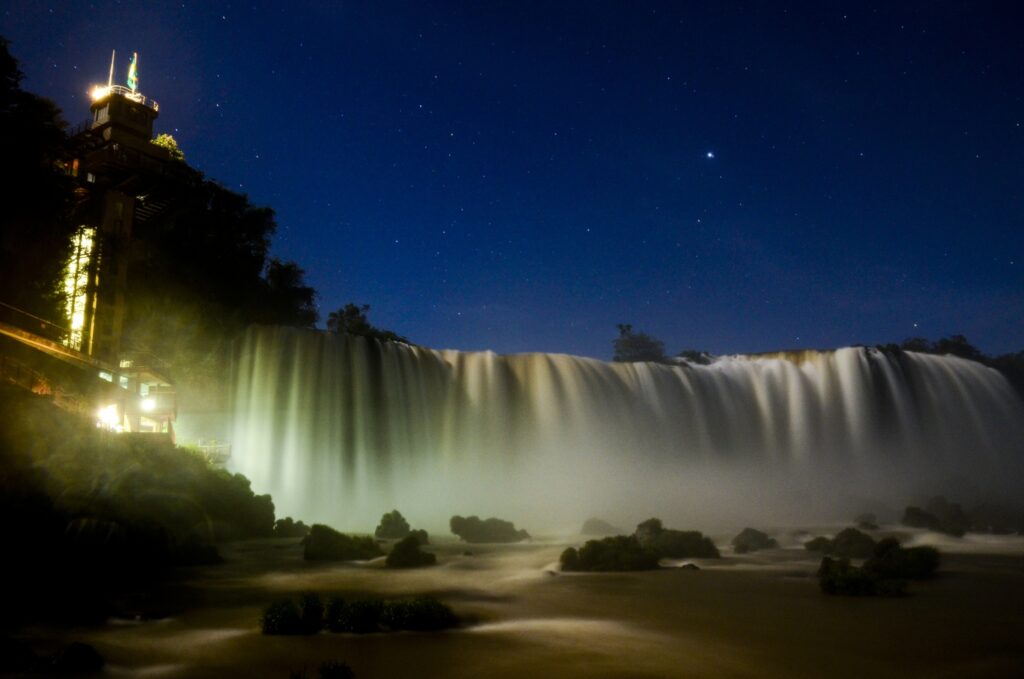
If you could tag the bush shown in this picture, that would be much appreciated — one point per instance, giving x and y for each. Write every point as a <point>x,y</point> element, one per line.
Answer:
<point>326,544</point>
<point>407,554</point>
<point>282,617</point>
<point>393,526</point>
<point>336,614</point>
<point>851,543</point>
<point>674,544</point>
<point>819,544</point>
<point>890,560</point>
<point>421,536</point>
<point>311,612</point>
<point>423,614</point>
<point>839,577</point>
<point>363,616</point>
<point>472,529</point>
<point>288,528</point>
<point>751,540</point>
<point>619,553</point>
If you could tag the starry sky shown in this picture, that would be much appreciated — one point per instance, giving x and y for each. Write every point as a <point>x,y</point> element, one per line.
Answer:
<point>522,176</point>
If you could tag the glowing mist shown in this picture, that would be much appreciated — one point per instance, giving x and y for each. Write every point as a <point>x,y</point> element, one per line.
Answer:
<point>341,429</point>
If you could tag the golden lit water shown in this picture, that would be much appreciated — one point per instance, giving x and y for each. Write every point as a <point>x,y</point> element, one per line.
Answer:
<point>758,616</point>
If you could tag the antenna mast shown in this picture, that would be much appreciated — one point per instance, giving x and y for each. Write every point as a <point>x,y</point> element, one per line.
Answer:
<point>110,78</point>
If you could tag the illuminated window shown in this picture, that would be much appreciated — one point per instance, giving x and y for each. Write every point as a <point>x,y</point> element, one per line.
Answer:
<point>76,283</point>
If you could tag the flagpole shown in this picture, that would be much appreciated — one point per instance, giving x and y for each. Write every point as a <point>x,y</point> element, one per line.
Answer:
<point>110,78</point>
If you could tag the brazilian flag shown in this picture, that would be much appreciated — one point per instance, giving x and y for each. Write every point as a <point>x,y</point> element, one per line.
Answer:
<point>133,72</point>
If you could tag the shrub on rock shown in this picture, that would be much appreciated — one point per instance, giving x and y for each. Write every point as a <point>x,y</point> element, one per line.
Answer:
<point>752,540</point>
<point>326,544</point>
<point>282,617</point>
<point>851,543</point>
<point>393,526</point>
<point>820,544</point>
<point>359,617</point>
<point>890,560</point>
<point>473,529</point>
<point>619,553</point>
<point>422,614</point>
<point>362,616</point>
<point>289,528</point>
<point>674,544</point>
<point>839,577</point>
<point>407,554</point>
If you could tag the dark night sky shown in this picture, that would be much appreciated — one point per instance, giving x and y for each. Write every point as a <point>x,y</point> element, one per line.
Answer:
<point>522,176</point>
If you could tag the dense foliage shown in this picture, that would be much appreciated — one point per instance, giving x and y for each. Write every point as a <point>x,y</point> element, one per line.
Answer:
<point>473,529</point>
<point>849,543</point>
<point>840,577</point>
<point>85,506</point>
<point>360,616</point>
<point>200,274</point>
<point>35,224</point>
<point>326,544</point>
<point>675,544</point>
<point>617,553</point>
<point>392,526</point>
<point>752,540</point>
<point>891,560</point>
<point>640,551</point>
<point>884,573</point>
<point>630,347</point>
<point>352,319</point>
<point>407,554</point>
<point>289,528</point>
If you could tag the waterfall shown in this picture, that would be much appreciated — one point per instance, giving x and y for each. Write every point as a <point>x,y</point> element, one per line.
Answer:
<point>340,429</point>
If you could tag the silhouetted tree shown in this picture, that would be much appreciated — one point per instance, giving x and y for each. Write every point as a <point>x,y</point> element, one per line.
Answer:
<point>37,198</point>
<point>631,347</point>
<point>351,319</point>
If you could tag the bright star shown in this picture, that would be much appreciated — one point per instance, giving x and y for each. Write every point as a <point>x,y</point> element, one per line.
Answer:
<point>711,154</point>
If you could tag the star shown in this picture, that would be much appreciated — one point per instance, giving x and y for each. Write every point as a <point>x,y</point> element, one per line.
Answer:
<point>710,155</point>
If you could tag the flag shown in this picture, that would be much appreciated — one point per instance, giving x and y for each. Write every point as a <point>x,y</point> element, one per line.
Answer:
<point>133,72</point>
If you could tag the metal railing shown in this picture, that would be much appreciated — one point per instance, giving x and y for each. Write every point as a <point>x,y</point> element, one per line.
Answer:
<point>127,93</point>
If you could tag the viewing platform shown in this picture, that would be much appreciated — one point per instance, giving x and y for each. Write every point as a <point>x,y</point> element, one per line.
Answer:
<point>101,92</point>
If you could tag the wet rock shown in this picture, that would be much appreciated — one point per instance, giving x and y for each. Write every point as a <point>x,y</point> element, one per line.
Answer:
<point>473,529</point>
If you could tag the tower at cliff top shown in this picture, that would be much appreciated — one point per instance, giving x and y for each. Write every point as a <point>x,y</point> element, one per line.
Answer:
<point>122,180</point>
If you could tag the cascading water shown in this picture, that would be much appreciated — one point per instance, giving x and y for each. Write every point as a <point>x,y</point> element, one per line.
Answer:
<point>341,429</point>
